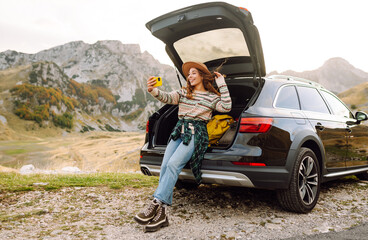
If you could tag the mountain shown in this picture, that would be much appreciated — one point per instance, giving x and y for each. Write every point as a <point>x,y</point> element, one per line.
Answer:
<point>43,98</point>
<point>102,86</point>
<point>336,74</point>
<point>121,68</point>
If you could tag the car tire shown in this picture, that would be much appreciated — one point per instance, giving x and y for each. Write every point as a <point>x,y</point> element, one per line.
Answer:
<point>303,192</point>
<point>363,175</point>
<point>186,185</point>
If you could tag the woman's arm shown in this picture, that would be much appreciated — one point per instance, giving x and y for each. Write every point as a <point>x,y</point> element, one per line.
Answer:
<point>165,97</point>
<point>223,104</point>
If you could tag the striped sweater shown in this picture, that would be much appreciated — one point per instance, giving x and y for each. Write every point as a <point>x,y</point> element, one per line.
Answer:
<point>200,107</point>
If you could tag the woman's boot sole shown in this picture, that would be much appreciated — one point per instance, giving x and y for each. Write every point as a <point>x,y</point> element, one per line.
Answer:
<point>154,229</point>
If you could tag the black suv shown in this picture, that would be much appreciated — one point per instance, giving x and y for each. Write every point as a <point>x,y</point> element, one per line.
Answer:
<point>290,134</point>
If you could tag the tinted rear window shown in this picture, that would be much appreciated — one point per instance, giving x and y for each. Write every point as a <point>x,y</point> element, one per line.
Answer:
<point>311,100</point>
<point>287,98</point>
<point>210,45</point>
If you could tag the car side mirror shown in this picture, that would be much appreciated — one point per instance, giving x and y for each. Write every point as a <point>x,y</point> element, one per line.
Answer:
<point>361,116</point>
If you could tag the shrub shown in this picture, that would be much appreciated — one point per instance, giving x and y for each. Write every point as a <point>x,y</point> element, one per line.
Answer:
<point>87,128</point>
<point>33,77</point>
<point>65,120</point>
<point>111,129</point>
<point>24,113</point>
<point>90,93</point>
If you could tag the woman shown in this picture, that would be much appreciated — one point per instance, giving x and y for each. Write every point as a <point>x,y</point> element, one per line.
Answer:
<point>189,139</point>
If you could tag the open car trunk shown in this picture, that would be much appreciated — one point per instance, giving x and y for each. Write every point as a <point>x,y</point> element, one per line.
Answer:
<point>163,122</point>
<point>214,34</point>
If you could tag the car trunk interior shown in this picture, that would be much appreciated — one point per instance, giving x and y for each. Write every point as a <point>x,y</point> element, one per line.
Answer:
<point>241,91</point>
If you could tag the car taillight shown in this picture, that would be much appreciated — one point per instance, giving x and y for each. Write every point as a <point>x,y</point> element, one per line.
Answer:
<point>255,125</point>
<point>147,127</point>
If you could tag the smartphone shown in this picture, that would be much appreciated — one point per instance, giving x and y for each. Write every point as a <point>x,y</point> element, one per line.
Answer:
<point>159,81</point>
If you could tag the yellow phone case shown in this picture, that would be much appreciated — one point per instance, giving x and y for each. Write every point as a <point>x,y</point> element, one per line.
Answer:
<point>159,81</point>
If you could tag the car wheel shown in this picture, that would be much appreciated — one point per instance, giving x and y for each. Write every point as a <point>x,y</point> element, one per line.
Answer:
<point>363,175</point>
<point>303,192</point>
<point>186,185</point>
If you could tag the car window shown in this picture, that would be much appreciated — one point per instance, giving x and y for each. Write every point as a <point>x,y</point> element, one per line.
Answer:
<point>213,44</point>
<point>311,100</point>
<point>337,106</point>
<point>287,98</point>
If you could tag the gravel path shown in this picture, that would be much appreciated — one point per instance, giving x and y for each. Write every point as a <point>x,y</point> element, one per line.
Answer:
<point>209,212</point>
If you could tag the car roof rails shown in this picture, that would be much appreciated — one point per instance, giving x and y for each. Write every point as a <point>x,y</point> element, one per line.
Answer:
<point>298,79</point>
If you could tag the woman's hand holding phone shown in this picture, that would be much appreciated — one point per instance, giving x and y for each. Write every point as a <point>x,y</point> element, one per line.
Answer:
<point>153,82</point>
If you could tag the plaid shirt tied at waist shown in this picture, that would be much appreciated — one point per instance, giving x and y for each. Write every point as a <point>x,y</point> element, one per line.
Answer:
<point>200,142</point>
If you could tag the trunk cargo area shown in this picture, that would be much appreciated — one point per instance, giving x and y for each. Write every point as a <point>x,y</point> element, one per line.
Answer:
<point>241,92</point>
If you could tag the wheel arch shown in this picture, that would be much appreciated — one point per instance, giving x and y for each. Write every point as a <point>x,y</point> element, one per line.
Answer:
<point>308,139</point>
<point>312,145</point>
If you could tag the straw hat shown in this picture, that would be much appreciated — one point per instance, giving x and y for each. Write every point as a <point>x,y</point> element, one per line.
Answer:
<point>188,65</point>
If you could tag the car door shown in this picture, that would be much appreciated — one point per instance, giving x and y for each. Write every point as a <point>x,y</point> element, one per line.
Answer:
<point>356,132</point>
<point>332,131</point>
<point>357,145</point>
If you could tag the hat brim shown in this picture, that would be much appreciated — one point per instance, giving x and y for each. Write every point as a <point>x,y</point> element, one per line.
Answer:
<point>200,66</point>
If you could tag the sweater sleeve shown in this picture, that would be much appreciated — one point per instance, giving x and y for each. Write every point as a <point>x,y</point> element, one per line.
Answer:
<point>223,102</point>
<point>166,97</point>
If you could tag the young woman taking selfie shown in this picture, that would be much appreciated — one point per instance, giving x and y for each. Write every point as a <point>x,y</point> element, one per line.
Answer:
<point>189,139</point>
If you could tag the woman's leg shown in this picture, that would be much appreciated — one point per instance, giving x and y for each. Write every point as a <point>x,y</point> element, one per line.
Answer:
<point>173,167</point>
<point>170,149</point>
<point>146,215</point>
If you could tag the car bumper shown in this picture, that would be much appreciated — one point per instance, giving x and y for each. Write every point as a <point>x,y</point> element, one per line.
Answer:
<point>226,173</point>
<point>208,176</point>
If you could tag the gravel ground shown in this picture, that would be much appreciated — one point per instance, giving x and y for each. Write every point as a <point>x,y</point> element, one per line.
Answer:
<point>209,212</point>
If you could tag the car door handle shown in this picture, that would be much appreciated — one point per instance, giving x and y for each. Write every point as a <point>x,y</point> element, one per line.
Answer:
<point>319,126</point>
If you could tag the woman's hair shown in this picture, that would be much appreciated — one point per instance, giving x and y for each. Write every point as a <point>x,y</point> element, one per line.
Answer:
<point>208,80</point>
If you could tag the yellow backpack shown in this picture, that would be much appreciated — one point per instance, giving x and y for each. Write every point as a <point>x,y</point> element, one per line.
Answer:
<point>217,126</point>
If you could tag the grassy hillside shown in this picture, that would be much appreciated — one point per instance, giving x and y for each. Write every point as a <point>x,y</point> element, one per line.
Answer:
<point>10,77</point>
<point>16,128</point>
<point>43,96</point>
<point>357,97</point>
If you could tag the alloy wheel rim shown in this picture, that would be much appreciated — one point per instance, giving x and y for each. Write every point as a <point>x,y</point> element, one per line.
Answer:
<point>308,180</point>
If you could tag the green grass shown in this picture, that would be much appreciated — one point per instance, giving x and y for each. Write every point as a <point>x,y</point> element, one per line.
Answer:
<point>14,151</point>
<point>14,182</point>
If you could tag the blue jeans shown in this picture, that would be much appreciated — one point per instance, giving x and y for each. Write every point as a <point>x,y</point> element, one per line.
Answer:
<point>176,157</point>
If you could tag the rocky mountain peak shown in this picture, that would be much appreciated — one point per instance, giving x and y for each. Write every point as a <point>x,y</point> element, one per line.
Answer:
<point>336,64</point>
<point>117,47</point>
<point>336,74</point>
<point>48,74</point>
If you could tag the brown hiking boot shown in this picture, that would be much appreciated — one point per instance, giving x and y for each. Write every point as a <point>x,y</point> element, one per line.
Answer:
<point>159,221</point>
<point>148,214</point>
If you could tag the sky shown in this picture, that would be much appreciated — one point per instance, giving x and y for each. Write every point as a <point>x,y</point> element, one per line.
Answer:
<point>296,34</point>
